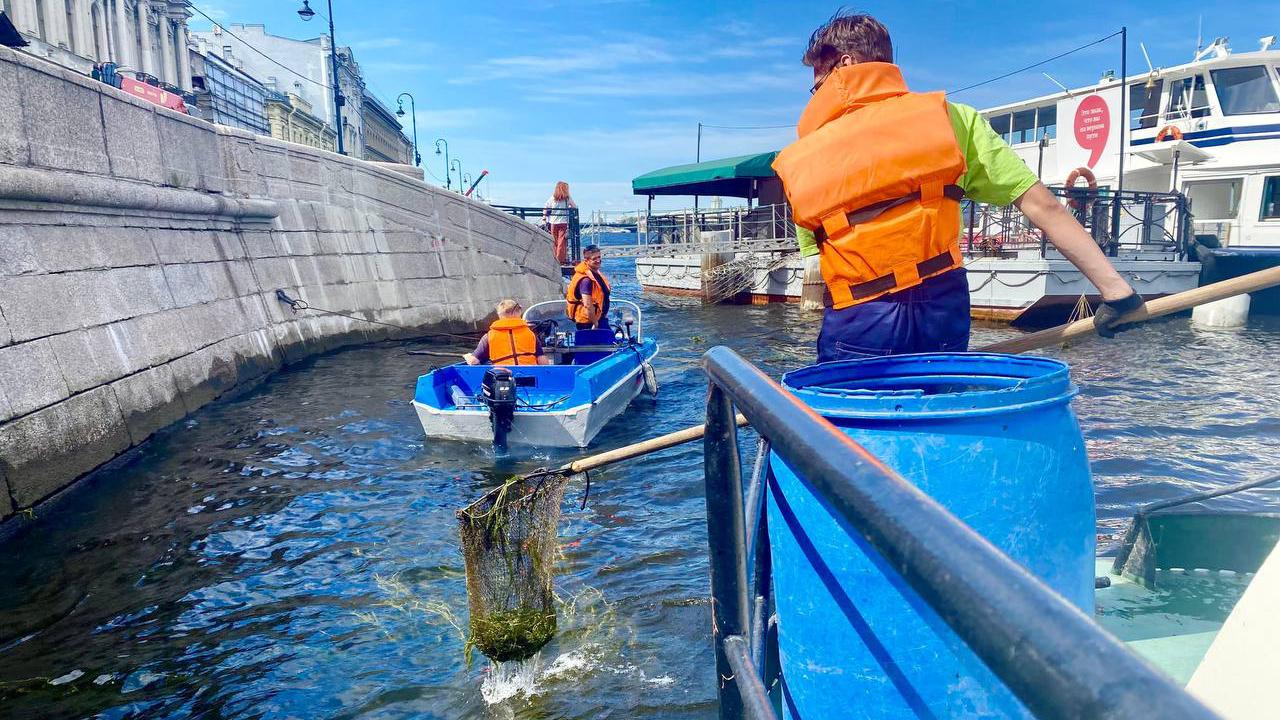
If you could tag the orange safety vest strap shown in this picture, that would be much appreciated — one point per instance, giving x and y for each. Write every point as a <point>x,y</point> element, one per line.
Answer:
<point>887,282</point>
<point>875,210</point>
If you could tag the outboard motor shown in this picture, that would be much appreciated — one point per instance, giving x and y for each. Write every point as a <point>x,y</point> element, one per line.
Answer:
<point>499,392</point>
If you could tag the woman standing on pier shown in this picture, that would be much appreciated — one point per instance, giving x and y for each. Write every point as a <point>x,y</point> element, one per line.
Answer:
<point>555,214</point>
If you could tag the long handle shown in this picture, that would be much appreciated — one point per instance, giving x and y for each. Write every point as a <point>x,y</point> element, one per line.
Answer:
<point>662,442</point>
<point>1253,282</point>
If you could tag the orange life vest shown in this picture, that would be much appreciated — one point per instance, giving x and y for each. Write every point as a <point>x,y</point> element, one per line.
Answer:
<point>574,308</point>
<point>873,175</point>
<point>511,342</point>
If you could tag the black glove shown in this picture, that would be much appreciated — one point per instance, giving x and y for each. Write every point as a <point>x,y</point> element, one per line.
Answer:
<point>1107,320</point>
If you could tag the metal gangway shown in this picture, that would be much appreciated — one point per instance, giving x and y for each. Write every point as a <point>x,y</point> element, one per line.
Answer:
<point>759,229</point>
<point>1055,659</point>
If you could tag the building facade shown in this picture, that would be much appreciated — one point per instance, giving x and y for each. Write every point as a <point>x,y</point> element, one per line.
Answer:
<point>383,139</point>
<point>290,118</point>
<point>148,36</point>
<point>225,94</point>
<point>300,67</point>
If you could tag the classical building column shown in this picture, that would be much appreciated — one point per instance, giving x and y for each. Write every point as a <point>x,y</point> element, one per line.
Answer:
<point>184,58</point>
<point>25,17</point>
<point>148,59</point>
<point>55,23</point>
<point>81,43</point>
<point>124,40</point>
<point>98,19</point>
<point>168,72</point>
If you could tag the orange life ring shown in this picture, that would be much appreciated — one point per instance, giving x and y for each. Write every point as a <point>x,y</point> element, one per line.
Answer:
<point>1169,131</point>
<point>1089,178</point>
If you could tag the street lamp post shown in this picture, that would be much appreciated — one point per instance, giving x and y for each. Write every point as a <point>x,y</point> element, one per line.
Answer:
<point>413,117</point>
<point>457,165</point>
<point>448,179</point>
<point>306,13</point>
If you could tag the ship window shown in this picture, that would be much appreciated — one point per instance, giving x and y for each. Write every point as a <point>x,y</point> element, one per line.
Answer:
<point>1215,199</point>
<point>1271,198</point>
<point>1144,104</point>
<point>1046,122</point>
<point>1024,126</point>
<point>1187,98</point>
<point>1000,124</point>
<point>1245,90</point>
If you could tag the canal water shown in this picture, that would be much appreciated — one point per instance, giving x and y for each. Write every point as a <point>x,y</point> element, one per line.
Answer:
<point>292,552</point>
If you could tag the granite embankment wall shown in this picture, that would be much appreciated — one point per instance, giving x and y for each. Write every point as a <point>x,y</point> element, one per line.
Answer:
<point>141,251</point>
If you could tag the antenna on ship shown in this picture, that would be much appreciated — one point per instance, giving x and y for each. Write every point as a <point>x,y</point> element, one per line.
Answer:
<point>1199,37</point>
<point>1055,82</point>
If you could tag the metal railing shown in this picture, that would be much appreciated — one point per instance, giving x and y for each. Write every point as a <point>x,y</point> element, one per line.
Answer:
<point>1053,657</point>
<point>763,222</point>
<point>1148,221</point>
<point>533,215</point>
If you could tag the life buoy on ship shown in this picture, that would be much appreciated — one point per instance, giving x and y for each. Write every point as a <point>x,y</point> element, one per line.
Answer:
<point>1089,178</point>
<point>1169,131</point>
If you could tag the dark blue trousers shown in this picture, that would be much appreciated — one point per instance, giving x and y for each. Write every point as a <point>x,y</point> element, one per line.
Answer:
<point>930,317</point>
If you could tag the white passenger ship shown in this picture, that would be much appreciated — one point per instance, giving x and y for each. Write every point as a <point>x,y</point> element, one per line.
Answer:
<point>1202,138</point>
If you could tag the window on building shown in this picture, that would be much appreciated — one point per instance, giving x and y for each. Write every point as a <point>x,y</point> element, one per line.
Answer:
<point>1187,98</point>
<point>1215,199</point>
<point>1245,90</point>
<point>1144,104</point>
<point>1271,198</point>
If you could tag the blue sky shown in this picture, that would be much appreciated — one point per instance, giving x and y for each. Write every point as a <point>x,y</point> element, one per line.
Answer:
<point>595,92</point>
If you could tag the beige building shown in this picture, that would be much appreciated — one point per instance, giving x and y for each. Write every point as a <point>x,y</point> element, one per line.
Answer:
<point>290,118</point>
<point>138,35</point>
<point>383,139</point>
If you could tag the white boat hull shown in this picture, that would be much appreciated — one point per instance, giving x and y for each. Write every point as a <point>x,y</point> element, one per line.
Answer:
<point>571,427</point>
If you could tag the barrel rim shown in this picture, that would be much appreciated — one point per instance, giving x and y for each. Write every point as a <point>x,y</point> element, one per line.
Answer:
<point>1036,382</point>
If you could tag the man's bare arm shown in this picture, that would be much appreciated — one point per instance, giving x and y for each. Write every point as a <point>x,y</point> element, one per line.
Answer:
<point>1045,212</point>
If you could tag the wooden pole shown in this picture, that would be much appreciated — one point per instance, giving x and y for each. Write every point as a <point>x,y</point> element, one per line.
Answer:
<point>1158,307</point>
<point>643,447</point>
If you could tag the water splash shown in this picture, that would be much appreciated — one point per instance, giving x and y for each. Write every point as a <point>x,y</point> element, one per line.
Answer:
<point>506,680</point>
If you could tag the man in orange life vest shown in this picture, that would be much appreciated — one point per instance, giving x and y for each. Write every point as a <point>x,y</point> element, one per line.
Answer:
<point>510,341</point>
<point>587,298</point>
<point>875,182</point>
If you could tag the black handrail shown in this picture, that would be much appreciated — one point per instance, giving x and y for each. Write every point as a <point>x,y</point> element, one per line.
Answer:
<point>574,237</point>
<point>1052,656</point>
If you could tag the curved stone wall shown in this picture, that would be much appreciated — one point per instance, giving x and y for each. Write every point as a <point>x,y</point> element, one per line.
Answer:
<point>141,251</point>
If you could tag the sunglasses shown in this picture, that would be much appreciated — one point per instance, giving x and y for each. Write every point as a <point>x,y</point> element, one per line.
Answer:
<point>818,83</point>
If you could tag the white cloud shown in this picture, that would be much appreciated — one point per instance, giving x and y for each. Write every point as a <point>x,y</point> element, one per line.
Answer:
<point>377,43</point>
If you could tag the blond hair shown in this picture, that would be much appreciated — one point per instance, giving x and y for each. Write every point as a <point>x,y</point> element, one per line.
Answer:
<point>508,307</point>
<point>561,191</point>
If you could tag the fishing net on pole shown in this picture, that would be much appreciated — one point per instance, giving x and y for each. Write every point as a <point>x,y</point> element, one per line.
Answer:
<point>509,547</point>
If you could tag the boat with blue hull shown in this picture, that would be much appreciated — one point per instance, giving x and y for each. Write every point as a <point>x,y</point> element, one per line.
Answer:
<point>596,375</point>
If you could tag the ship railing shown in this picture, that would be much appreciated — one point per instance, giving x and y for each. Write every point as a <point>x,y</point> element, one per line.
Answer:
<point>1128,221</point>
<point>1053,657</point>
<point>762,222</point>
<point>533,215</point>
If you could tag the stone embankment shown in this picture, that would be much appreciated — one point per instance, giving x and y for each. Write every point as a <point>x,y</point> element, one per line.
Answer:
<point>141,251</point>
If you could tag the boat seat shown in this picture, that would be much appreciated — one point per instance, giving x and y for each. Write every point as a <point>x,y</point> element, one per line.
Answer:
<point>598,336</point>
<point>459,397</point>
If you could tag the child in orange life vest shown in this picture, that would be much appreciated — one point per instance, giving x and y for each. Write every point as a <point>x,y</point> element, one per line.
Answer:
<point>510,341</point>
<point>875,183</point>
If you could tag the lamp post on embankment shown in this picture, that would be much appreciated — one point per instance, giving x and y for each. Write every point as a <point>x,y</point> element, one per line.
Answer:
<point>413,118</point>
<point>306,13</point>
<point>457,165</point>
<point>448,181</point>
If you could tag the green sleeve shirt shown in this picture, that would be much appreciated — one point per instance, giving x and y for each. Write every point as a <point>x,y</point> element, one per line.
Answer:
<point>993,174</point>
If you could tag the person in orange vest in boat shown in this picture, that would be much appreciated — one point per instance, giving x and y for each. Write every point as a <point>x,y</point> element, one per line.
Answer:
<point>875,182</point>
<point>587,298</point>
<point>510,341</point>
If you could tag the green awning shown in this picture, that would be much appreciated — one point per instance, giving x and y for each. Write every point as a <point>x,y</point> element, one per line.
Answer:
<point>728,177</point>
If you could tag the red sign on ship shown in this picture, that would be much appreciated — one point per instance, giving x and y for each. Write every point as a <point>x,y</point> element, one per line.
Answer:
<point>1093,126</point>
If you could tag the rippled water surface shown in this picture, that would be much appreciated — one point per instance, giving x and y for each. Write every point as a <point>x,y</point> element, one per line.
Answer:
<point>291,552</point>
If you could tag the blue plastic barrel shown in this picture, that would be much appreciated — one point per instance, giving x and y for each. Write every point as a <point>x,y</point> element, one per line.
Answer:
<point>990,437</point>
